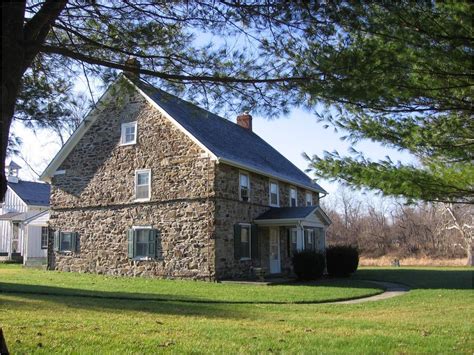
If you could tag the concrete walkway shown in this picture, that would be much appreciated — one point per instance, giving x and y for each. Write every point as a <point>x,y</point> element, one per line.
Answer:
<point>391,290</point>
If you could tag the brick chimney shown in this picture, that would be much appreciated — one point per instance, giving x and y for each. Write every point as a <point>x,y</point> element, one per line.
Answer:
<point>133,68</point>
<point>245,120</point>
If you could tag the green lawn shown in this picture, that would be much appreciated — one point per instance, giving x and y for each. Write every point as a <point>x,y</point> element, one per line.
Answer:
<point>54,312</point>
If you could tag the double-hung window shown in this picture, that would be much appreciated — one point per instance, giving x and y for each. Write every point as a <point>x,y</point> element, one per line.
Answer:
<point>309,199</point>
<point>244,187</point>
<point>128,133</point>
<point>245,245</point>
<point>246,241</point>
<point>44,237</point>
<point>143,185</point>
<point>66,241</point>
<point>293,197</point>
<point>143,243</point>
<point>274,194</point>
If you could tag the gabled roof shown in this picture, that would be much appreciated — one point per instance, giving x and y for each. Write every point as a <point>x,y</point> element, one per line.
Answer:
<point>229,142</point>
<point>32,193</point>
<point>224,140</point>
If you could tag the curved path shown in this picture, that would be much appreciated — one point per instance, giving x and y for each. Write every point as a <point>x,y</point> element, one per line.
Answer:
<point>391,290</point>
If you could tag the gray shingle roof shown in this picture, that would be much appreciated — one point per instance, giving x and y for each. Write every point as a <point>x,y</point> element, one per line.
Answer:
<point>32,193</point>
<point>227,140</point>
<point>287,213</point>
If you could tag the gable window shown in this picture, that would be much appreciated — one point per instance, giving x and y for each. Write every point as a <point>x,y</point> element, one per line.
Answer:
<point>244,187</point>
<point>245,241</point>
<point>142,185</point>
<point>44,237</point>
<point>309,199</point>
<point>129,133</point>
<point>66,241</point>
<point>293,197</point>
<point>274,194</point>
<point>143,243</point>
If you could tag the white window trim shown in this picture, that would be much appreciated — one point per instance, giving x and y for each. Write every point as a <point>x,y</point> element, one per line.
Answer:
<point>149,184</point>
<point>296,196</point>
<point>270,193</point>
<point>310,194</point>
<point>250,239</point>
<point>248,188</point>
<point>122,133</point>
<point>141,258</point>
<point>43,247</point>
<point>61,233</point>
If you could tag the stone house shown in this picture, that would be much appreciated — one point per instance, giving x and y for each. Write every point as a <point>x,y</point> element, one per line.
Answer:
<point>152,185</point>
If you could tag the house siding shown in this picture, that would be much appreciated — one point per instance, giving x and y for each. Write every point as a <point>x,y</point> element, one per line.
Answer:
<point>95,197</point>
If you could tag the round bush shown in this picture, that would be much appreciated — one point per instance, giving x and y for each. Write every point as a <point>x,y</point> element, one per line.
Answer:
<point>342,260</point>
<point>308,264</point>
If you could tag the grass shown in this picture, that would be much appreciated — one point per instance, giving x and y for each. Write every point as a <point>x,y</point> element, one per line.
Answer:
<point>435,317</point>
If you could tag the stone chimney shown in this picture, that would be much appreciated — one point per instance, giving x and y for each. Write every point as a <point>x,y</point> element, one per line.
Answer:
<point>133,68</point>
<point>245,120</point>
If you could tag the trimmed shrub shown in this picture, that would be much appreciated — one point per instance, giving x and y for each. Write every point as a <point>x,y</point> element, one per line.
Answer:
<point>342,260</point>
<point>308,264</point>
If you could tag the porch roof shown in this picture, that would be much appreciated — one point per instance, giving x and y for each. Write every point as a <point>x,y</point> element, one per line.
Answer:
<point>12,216</point>
<point>291,215</point>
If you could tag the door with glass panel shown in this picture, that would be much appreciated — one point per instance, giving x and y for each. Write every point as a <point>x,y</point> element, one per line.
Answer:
<point>275,262</point>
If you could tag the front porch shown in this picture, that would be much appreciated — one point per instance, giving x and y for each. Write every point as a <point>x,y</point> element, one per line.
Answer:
<point>281,232</point>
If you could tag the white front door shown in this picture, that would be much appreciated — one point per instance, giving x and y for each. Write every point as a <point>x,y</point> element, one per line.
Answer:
<point>275,264</point>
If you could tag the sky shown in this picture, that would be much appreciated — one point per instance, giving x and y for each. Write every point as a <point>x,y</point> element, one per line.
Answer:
<point>292,135</point>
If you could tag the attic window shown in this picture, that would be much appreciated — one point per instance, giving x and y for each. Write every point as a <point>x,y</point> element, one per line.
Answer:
<point>244,190</point>
<point>129,133</point>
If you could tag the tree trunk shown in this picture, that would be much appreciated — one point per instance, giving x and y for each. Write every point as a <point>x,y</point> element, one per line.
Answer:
<point>13,57</point>
<point>20,45</point>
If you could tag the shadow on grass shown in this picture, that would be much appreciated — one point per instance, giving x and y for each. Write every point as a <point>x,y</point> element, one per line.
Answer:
<point>112,302</point>
<point>63,292</point>
<point>450,279</point>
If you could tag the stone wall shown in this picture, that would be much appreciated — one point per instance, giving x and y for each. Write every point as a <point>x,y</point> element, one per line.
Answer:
<point>230,210</point>
<point>95,197</point>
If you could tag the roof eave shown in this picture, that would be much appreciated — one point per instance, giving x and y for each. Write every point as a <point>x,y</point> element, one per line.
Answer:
<point>273,176</point>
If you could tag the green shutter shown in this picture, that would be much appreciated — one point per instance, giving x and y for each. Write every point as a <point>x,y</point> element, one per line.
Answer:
<point>288,246</point>
<point>254,242</point>
<point>56,241</point>
<point>131,243</point>
<point>237,241</point>
<point>74,241</point>
<point>152,243</point>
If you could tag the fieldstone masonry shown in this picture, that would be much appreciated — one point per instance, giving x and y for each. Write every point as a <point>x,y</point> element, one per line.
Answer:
<point>194,201</point>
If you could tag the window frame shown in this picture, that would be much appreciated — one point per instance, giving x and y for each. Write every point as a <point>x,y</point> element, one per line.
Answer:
<point>249,227</point>
<point>143,257</point>
<point>141,171</point>
<point>243,173</point>
<point>73,244</point>
<point>292,188</point>
<point>123,134</point>
<point>272,182</point>
<point>310,195</point>
<point>44,245</point>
